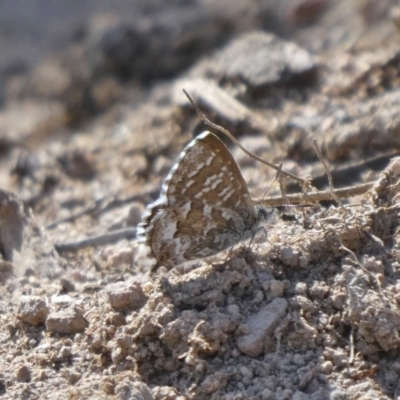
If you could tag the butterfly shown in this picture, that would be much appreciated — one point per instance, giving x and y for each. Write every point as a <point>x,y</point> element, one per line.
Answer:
<point>204,206</point>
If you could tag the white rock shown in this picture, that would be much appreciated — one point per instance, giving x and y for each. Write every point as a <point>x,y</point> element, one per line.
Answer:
<point>33,310</point>
<point>261,325</point>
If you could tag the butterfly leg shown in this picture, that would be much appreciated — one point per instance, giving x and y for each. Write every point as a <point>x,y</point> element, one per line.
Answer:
<point>259,229</point>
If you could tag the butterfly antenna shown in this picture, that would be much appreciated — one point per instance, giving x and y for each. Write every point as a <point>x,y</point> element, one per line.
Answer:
<point>234,140</point>
<point>278,172</point>
<point>328,173</point>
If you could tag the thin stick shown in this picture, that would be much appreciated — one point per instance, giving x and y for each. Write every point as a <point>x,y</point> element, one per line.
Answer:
<point>317,196</point>
<point>234,140</point>
<point>328,173</point>
<point>101,240</point>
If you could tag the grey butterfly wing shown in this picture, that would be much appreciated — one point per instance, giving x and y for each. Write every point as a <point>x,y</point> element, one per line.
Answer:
<point>204,206</point>
<point>186,232</point>
<point>207,172</point>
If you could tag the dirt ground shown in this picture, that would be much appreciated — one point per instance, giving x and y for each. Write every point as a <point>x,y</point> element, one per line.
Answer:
<point>93,117</point>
